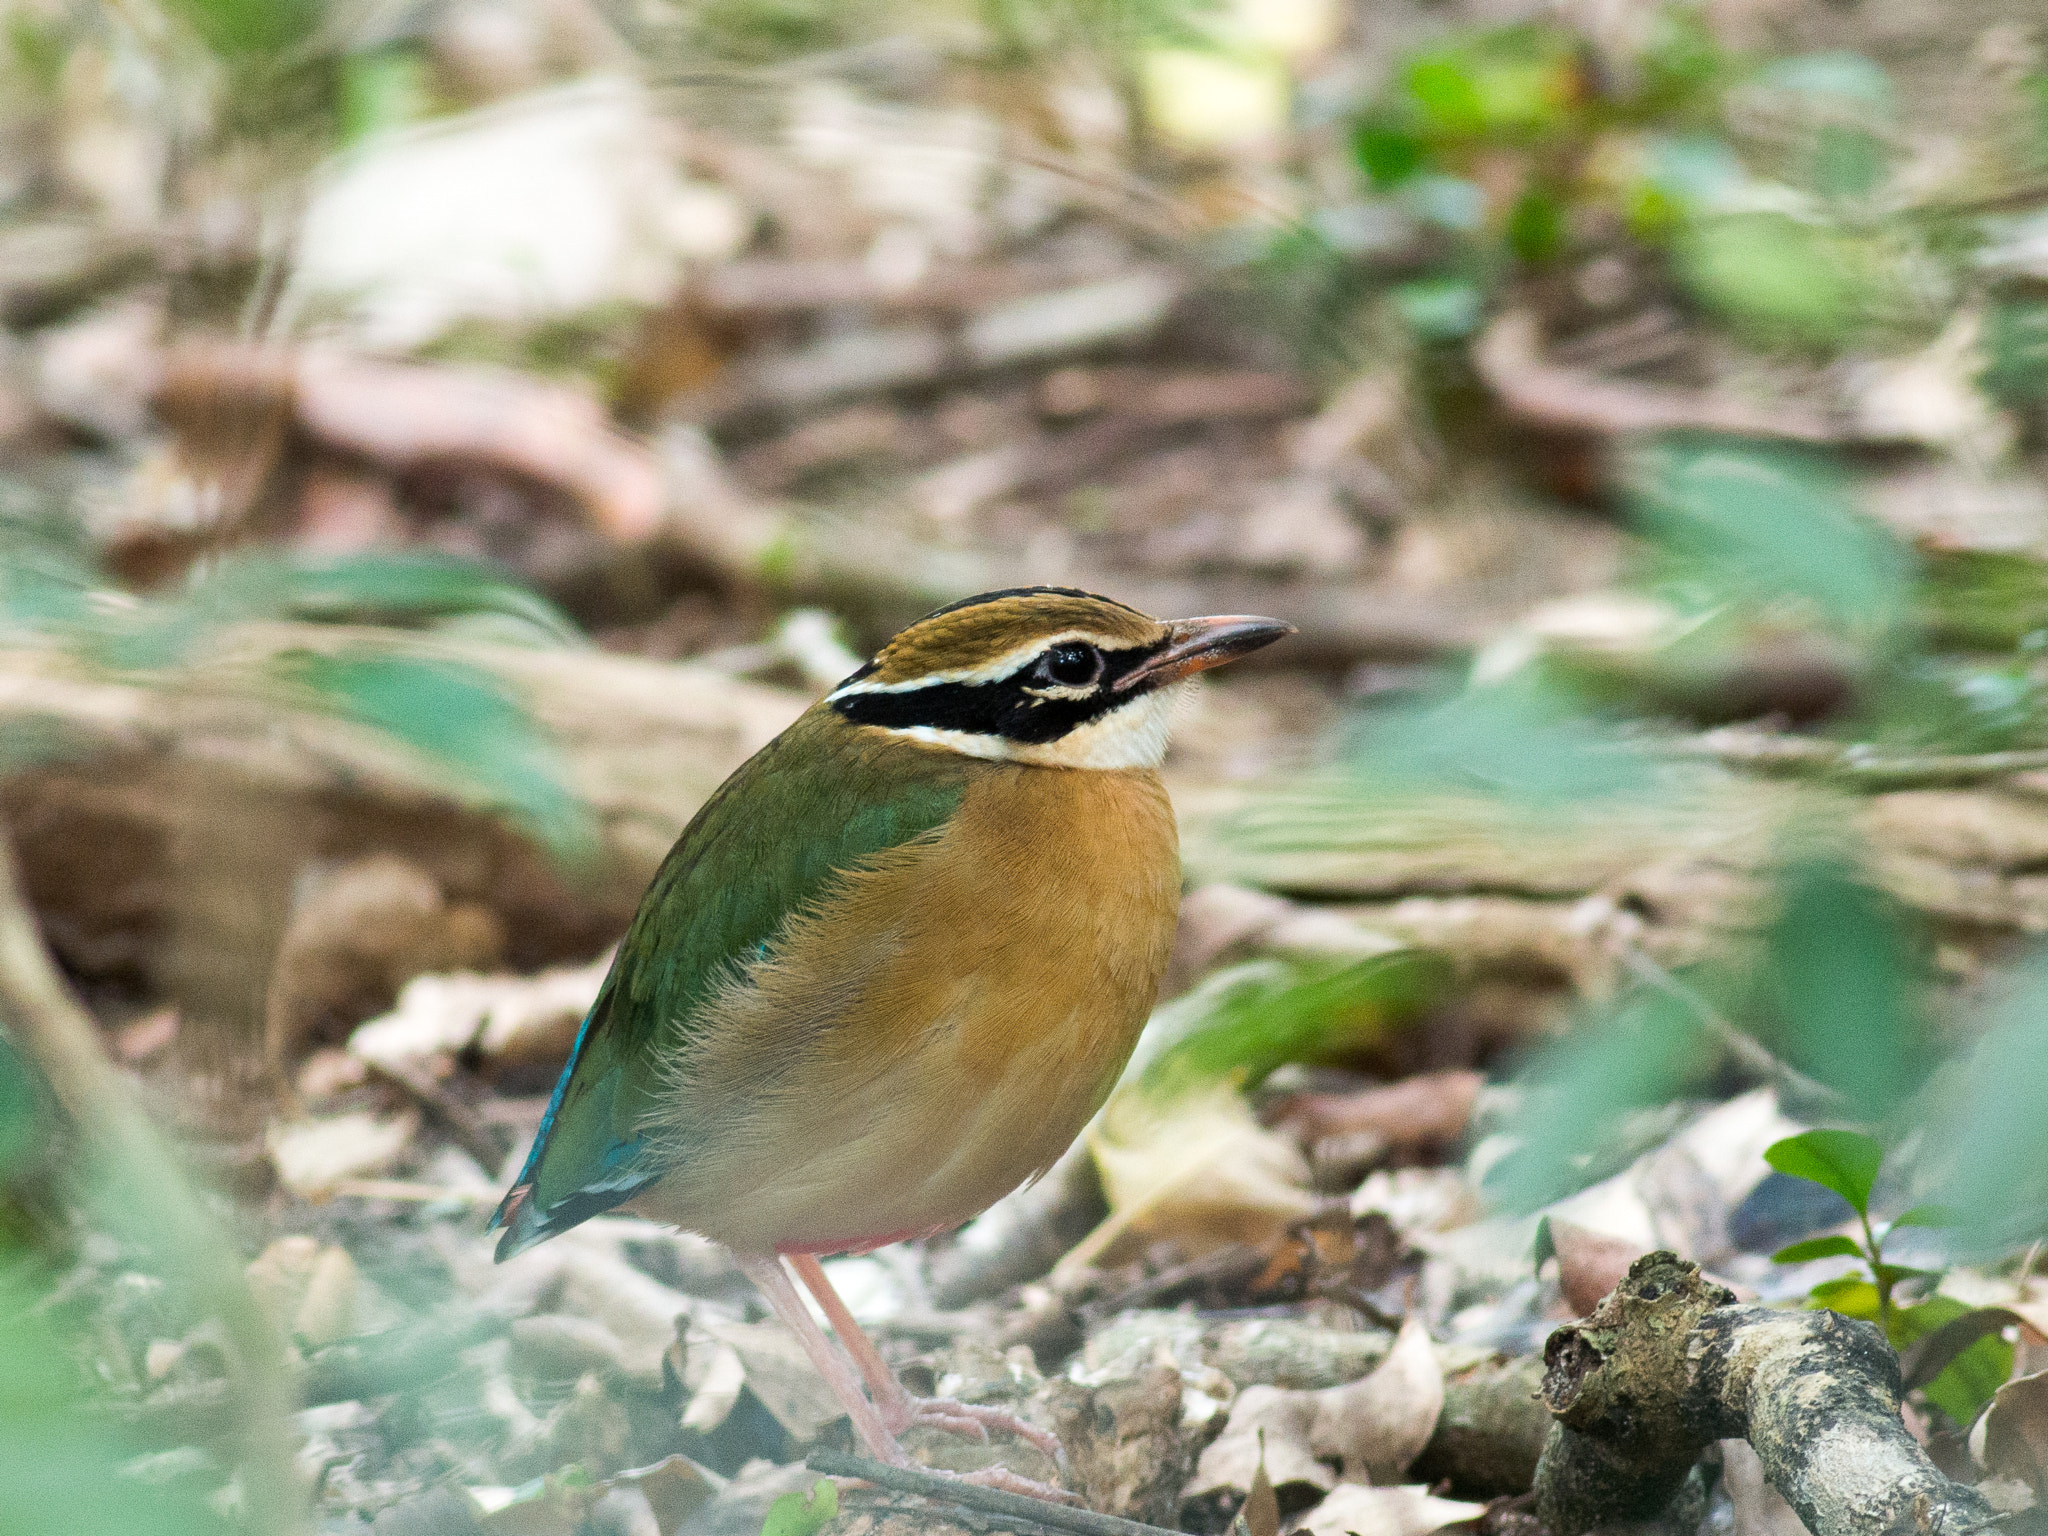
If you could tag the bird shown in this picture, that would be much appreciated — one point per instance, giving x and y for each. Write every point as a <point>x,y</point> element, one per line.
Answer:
<point>892,967</point>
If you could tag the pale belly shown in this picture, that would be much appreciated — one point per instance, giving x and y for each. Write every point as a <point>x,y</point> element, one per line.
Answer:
<point>971,1022</point>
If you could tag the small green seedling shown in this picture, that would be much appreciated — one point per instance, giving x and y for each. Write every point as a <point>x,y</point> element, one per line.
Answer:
<point>801,1514</point>
<point>1847,1163</point>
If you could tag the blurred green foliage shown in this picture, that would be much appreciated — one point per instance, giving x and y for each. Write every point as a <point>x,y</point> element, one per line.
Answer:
<point>68,1465</point>
<point>1248,1020</point>
<point>803,1514</point>
<point>452,712</point>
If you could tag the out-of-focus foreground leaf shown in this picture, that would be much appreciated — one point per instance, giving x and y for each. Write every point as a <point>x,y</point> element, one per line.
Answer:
<point>460,717</point>
<point>1767,526</point>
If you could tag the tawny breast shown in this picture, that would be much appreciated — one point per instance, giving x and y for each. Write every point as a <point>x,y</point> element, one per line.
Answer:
<point>938,1029</point>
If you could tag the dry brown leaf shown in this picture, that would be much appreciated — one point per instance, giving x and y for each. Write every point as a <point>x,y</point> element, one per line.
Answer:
<point>1589,1263</point>
<point>2016,1432</point>
<point>1261,1513</point>
<point>1197,1169</point>
<point>1352,1509</point>
<point>1418,1114</point>
<point>675,1488</point>
<point>1377,1425</point>
<point>356,935</point>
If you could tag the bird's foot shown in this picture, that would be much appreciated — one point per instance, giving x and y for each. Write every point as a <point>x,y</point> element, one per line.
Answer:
<point>972,1421</point>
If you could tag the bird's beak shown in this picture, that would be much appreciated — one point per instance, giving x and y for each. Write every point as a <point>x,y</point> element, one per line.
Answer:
<point>1196,645</point>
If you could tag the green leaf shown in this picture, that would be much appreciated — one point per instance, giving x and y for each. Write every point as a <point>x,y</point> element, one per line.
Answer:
<point>1843,1161</point>
<point>379,90</point>
<point>1834,1247</point>
<point>1253,1019</point>
<point>1849,1296</point>
<point>1386,149</point>
<point>1439,308</point>
<point>1579,1095</point>
<point>2015,352</point>
<point>797,1514</point>
<point>1974,1376</point>
<point>1927,1216</point>
<point>1536,226</point>
<point>1893,1274</point>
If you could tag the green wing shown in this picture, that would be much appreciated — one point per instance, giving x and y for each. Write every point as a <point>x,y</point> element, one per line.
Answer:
<point>820,799</point>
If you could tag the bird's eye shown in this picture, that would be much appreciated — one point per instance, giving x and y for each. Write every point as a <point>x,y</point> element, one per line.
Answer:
<point>1072,665</point>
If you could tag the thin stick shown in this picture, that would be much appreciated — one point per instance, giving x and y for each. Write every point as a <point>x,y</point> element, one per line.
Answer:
<point>1858,765</point>
<point>994,1501</point>
<point>1749,1053</point>
<point>63,1040</point>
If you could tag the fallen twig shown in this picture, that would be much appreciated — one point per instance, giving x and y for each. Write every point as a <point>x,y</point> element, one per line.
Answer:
<point>468,1129</point>
<point>995,1501</point>
<point>1668,1364</point>
<point>1509,357</point>
<point>1747,1052</point>
<point>1858,764</point>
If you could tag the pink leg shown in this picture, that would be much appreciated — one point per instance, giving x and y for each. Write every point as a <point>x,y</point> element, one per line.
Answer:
<point>899,1409</point>
<point>769,1277</point>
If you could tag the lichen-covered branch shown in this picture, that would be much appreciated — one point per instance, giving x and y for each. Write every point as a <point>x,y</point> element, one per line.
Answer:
<point>1668,1364</point>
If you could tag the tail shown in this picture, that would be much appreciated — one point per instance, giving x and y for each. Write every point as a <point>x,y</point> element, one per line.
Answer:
<point>606,1168</point>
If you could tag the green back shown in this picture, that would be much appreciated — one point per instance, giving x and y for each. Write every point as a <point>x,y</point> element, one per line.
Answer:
<point>822,798</point>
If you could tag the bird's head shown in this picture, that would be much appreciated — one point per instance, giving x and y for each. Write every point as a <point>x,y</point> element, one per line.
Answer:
<point>1043,675</point>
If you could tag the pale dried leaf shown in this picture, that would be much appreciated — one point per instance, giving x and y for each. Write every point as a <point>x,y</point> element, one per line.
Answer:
<point>1410,1510</point>
<point>548,204</point>
<point>713,1398</point>
<point>1760,1510</point>
<point>1196,1169</point>
<point>1272,1423</point>
<point>640,1311</point>
<point>780,1374</point>
<point>328,1310</point>
<point>519,1019</point>
<point>312,1156</point>
<point>2015,1431</point>
<point>1379,1424</point>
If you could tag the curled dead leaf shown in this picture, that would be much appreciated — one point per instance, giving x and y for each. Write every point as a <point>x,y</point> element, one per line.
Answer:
<point>1197,1169</point>
<point>1376,1426</point>
<point>2015,1432</point>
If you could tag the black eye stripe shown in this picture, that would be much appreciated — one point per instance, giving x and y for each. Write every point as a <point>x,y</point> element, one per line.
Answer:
<point>1006,706</point>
